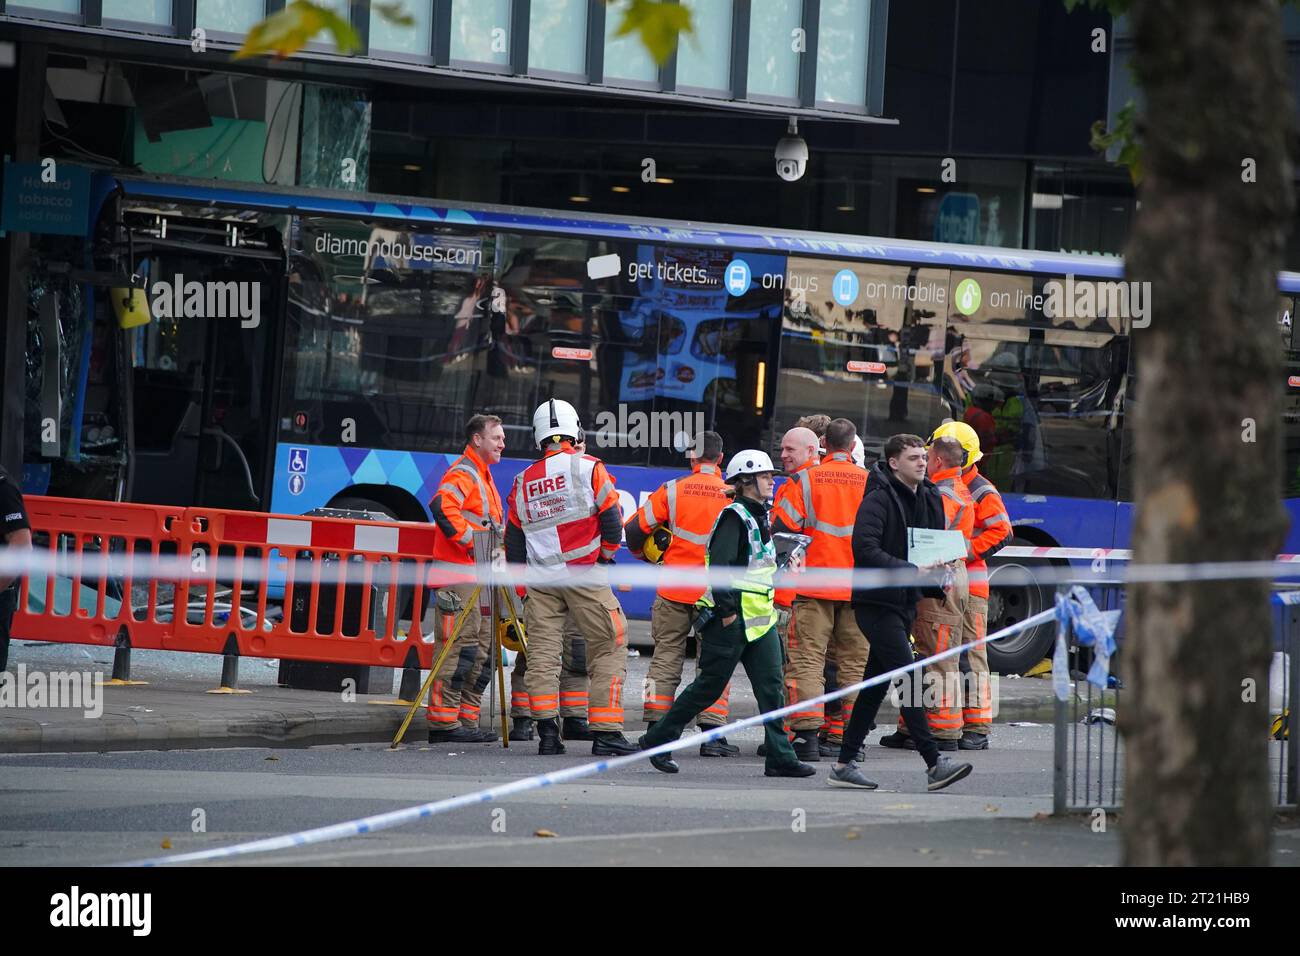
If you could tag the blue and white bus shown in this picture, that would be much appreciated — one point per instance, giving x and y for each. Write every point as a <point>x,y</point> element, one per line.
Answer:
<point>385,323</point>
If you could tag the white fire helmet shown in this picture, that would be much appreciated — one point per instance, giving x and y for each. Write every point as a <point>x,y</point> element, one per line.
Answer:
<point>555,418</point>
<point>859,452</point>
<point>750,461</point>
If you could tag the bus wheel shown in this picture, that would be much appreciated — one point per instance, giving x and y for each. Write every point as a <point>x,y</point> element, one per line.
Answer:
<point>1010,604</point>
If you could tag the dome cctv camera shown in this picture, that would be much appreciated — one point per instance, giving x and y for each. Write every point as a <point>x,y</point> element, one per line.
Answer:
<point>791,154</point>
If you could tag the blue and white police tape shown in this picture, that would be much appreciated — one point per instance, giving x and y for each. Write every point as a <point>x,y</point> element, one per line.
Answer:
<point>93,571</point>
<point>384,821</point>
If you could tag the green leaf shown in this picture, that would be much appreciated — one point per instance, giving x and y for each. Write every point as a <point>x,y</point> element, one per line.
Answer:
<point>288,31</point>
<point>1124,135</point>
<point>659,24</point>
<point>393,13</point>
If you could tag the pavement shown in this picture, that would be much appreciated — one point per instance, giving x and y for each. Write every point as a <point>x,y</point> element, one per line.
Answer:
<point>173,709</point>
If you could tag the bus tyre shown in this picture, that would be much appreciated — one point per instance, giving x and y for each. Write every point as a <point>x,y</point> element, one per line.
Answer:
<point>1011,603</point>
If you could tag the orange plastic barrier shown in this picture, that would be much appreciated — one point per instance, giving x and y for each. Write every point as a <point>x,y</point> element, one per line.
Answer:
<point>277,586</point>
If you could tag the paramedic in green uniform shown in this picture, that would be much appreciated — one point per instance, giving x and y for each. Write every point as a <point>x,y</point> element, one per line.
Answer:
<point>742,629</point>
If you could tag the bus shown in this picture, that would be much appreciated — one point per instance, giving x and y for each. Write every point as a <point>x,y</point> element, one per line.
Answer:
<point>371,328</point>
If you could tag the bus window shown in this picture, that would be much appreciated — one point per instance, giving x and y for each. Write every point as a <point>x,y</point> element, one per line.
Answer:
<point>1045,403</point>
<point>867,347</point>
<point>387,331</point>
<point>1291,393</point>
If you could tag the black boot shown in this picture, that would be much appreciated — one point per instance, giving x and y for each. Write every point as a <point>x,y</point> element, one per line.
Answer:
<point>664,763</point>
<point>575,728</point>
<point>611,743</point>
<point>805,746</point>
<point>549,732</point>
<point>461,735</point>
<point>718,748</point>
<point>521,728</point>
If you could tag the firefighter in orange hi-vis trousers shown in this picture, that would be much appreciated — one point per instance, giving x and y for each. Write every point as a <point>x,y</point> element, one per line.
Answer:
<point>564,524</point>
<point>573,679</point>
<point>939,623</point>
<point>824,505</point>
<point>991,533</point>
<point>685,508</point>
<point>466,501</point>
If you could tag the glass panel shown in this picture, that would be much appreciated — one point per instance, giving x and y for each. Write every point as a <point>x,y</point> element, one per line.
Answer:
<point>139,11</point>
<point>57,6</point>
<point>842,52</point>
<point>1291,407</point>
<point>557,36</point>
<point>399,39</point>
<point>704,57</point>
<point>388,327</point>
<point>1045,392</point>
<point>480,31</point>
<point>773,61</point>
<point>625,57</point>
<point>867,345</point>
<point>696,354</point>
<point>231,16</point>
<point>1083,212</point>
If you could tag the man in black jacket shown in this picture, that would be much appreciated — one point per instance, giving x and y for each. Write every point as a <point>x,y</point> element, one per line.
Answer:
<point>899,496</point>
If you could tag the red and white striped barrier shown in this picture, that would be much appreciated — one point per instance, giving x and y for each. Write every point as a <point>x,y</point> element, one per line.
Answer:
<point>328,533</point>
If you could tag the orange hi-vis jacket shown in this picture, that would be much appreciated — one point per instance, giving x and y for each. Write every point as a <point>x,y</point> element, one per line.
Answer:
<point>558,503</point>
<point>465,501</point>
<point>689,508</point>
<point>958,506</point>
<point>824,505</point>
<point>783,511</point>
<point>992,529</point>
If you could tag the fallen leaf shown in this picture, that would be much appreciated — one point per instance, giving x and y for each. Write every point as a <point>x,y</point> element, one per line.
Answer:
<point>1040,817</point>
<point>853,835</point>
<point>273,757</point>
<point>989,808</point>
<point>924,850</point>
<point>543,833</point>
<point>166,843</point>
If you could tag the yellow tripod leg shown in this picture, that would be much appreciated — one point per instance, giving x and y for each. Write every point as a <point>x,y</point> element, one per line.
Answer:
<point>470,605</point>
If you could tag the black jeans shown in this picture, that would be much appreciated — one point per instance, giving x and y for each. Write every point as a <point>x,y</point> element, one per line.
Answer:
<point>721,649</point>
<point>8,605</point>
<point>887,629</point>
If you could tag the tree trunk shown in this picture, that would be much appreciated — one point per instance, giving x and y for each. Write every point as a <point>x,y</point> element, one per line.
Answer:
<point>1210,244</point>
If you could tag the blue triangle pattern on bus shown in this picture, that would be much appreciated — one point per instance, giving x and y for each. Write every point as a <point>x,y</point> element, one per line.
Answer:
<point>370,471</point>
<point>353,457</point>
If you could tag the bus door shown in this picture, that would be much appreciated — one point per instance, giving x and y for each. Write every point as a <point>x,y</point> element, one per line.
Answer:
<point>201,370</point>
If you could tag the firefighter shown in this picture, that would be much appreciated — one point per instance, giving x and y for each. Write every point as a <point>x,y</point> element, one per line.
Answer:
<point>800,449</point>
<point>939,621</point>
<point>990,534</point>
<point>565,524</point>
<point>741,627</point>
<point>686,508</point>
<point>573,679</point>
<point>824,503</point>
<point>466,500</point>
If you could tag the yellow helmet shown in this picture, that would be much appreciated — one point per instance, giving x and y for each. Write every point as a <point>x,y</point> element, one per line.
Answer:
<point>657,545</point>
<point>508,636</point>
<point>964,434</point>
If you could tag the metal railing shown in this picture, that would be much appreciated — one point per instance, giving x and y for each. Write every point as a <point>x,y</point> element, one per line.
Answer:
<point>1088,751</point>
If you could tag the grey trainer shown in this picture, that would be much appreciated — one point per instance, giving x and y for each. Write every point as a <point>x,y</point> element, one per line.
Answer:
<point>946,771</point>
<point>849,776</point>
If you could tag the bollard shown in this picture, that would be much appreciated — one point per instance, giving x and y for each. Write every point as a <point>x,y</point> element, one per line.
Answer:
<point>410,686</point>
<point>230,669</point>
<point>122,657</point>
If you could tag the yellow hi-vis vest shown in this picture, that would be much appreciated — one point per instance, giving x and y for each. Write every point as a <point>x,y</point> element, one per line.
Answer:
<point>757,605</point>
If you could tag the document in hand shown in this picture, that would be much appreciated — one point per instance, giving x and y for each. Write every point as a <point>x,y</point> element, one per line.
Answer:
<point>925,546</point>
